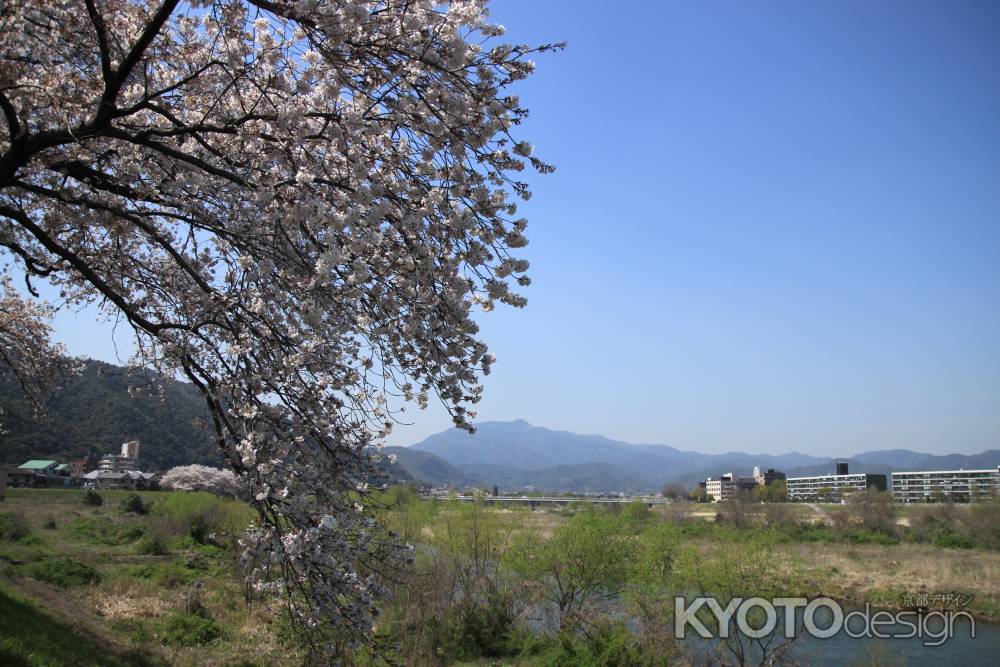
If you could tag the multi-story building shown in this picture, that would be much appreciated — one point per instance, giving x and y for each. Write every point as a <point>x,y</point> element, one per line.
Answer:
<point>936,485</point>
<point>766,477</point>
<point>121,471</point>
<point>832,487</point>
<point>81,467</point>
<point>725,486</point>
<point>127,460</point>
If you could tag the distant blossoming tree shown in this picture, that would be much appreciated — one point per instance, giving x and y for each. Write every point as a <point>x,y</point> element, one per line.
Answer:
<point>202,478</point>
<point>24,341</point>
<point>295,205</point>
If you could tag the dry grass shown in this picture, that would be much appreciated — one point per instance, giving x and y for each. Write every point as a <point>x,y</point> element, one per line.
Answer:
<point>886,572</point>
<point>125,599</point>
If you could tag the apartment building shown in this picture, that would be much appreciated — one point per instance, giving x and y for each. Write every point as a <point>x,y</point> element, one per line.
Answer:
<point>936,485</point>
<point>833,486</point>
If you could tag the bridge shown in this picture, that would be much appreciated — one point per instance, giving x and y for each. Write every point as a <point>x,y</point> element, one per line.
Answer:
<point>551,500</point>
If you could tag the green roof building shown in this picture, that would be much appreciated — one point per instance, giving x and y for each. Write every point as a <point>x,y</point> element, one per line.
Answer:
<point>37,464</point>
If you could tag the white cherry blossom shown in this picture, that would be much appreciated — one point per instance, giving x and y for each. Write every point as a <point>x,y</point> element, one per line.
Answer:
<point>294,205</point>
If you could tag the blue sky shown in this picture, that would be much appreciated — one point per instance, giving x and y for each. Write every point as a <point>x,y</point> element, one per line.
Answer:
<point>773,226</point>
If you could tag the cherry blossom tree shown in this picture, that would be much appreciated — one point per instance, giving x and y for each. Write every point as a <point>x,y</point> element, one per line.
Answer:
<point>202,478</point>
<point>25,349</point>
<point>296,206</point>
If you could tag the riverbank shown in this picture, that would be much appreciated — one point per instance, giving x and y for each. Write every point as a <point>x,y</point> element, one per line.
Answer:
<point>161,585</point>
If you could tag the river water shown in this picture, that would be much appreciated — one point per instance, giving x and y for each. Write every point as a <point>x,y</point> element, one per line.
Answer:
<point>961,649</point>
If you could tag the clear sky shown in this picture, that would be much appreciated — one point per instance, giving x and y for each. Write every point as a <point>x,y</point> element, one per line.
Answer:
<point>773,226</point>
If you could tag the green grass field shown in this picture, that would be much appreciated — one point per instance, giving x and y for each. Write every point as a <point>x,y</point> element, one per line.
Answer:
<point>161,584</point>
<point>96,585</point>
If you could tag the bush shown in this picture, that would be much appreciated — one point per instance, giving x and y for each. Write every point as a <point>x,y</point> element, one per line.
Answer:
<point>607,645</point>
<point>204,518</point>
<point>636,516</point>
<point>101,530</point>
<point>474,631</point>
<point>177,574</point>
<point>199,529</point>
<point>190,630</point>
<point>134,505</point>
<point>92,498</point>
<point>152,545</point>
<point>63,572</point>
<point>13,528</point>
<point>955,541</point>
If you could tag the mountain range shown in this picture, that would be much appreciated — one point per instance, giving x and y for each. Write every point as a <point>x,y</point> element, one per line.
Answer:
<point>519,455</point>
<point>92,411</point>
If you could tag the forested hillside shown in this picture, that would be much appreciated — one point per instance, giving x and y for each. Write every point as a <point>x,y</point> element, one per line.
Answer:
<point>93,411</point>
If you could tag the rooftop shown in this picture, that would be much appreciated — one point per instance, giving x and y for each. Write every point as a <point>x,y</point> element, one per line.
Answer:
<point>36,464</point>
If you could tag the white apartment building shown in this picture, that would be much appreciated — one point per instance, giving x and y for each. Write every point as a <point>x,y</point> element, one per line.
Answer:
<point>957,485</point>
<point>808,488</point>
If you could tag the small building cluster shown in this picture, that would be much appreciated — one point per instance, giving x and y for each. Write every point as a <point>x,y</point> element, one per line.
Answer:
<point>906,487</point>
<point>918,486</point>
<point>725,487</point>
<point>111,471</point>
<point>40,473</point>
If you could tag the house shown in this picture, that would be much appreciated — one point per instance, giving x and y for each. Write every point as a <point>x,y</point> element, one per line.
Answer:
<point>41,473</point>
<point>121,479</point>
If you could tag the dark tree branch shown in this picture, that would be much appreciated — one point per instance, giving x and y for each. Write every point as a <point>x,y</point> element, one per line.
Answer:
<point>102,42</point>
<point>86,271</point>
<point>10,113</point>
<point>114,85</point>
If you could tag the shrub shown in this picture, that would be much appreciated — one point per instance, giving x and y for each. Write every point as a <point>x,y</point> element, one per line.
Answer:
<point>13,527</point>
<point>636,515</point>
<point>200,529</point>
<point>92,498</point>
<point>176,574</point>
<point>134,505</point>
<point>101,530</point>
<point>143,571</point>
<point>205,518</point>
<point>152,545</point>
<point>190,630</point>
<point>583,564</point>
<point>607,644</point>
<point>196,562</point>
<point>188,543</point>
<point>955,541</point>
<point>472,631</point>
<point>63,572</point>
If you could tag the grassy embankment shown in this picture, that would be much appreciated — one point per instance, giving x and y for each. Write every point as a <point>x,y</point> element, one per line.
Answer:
<point>98,585</point>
